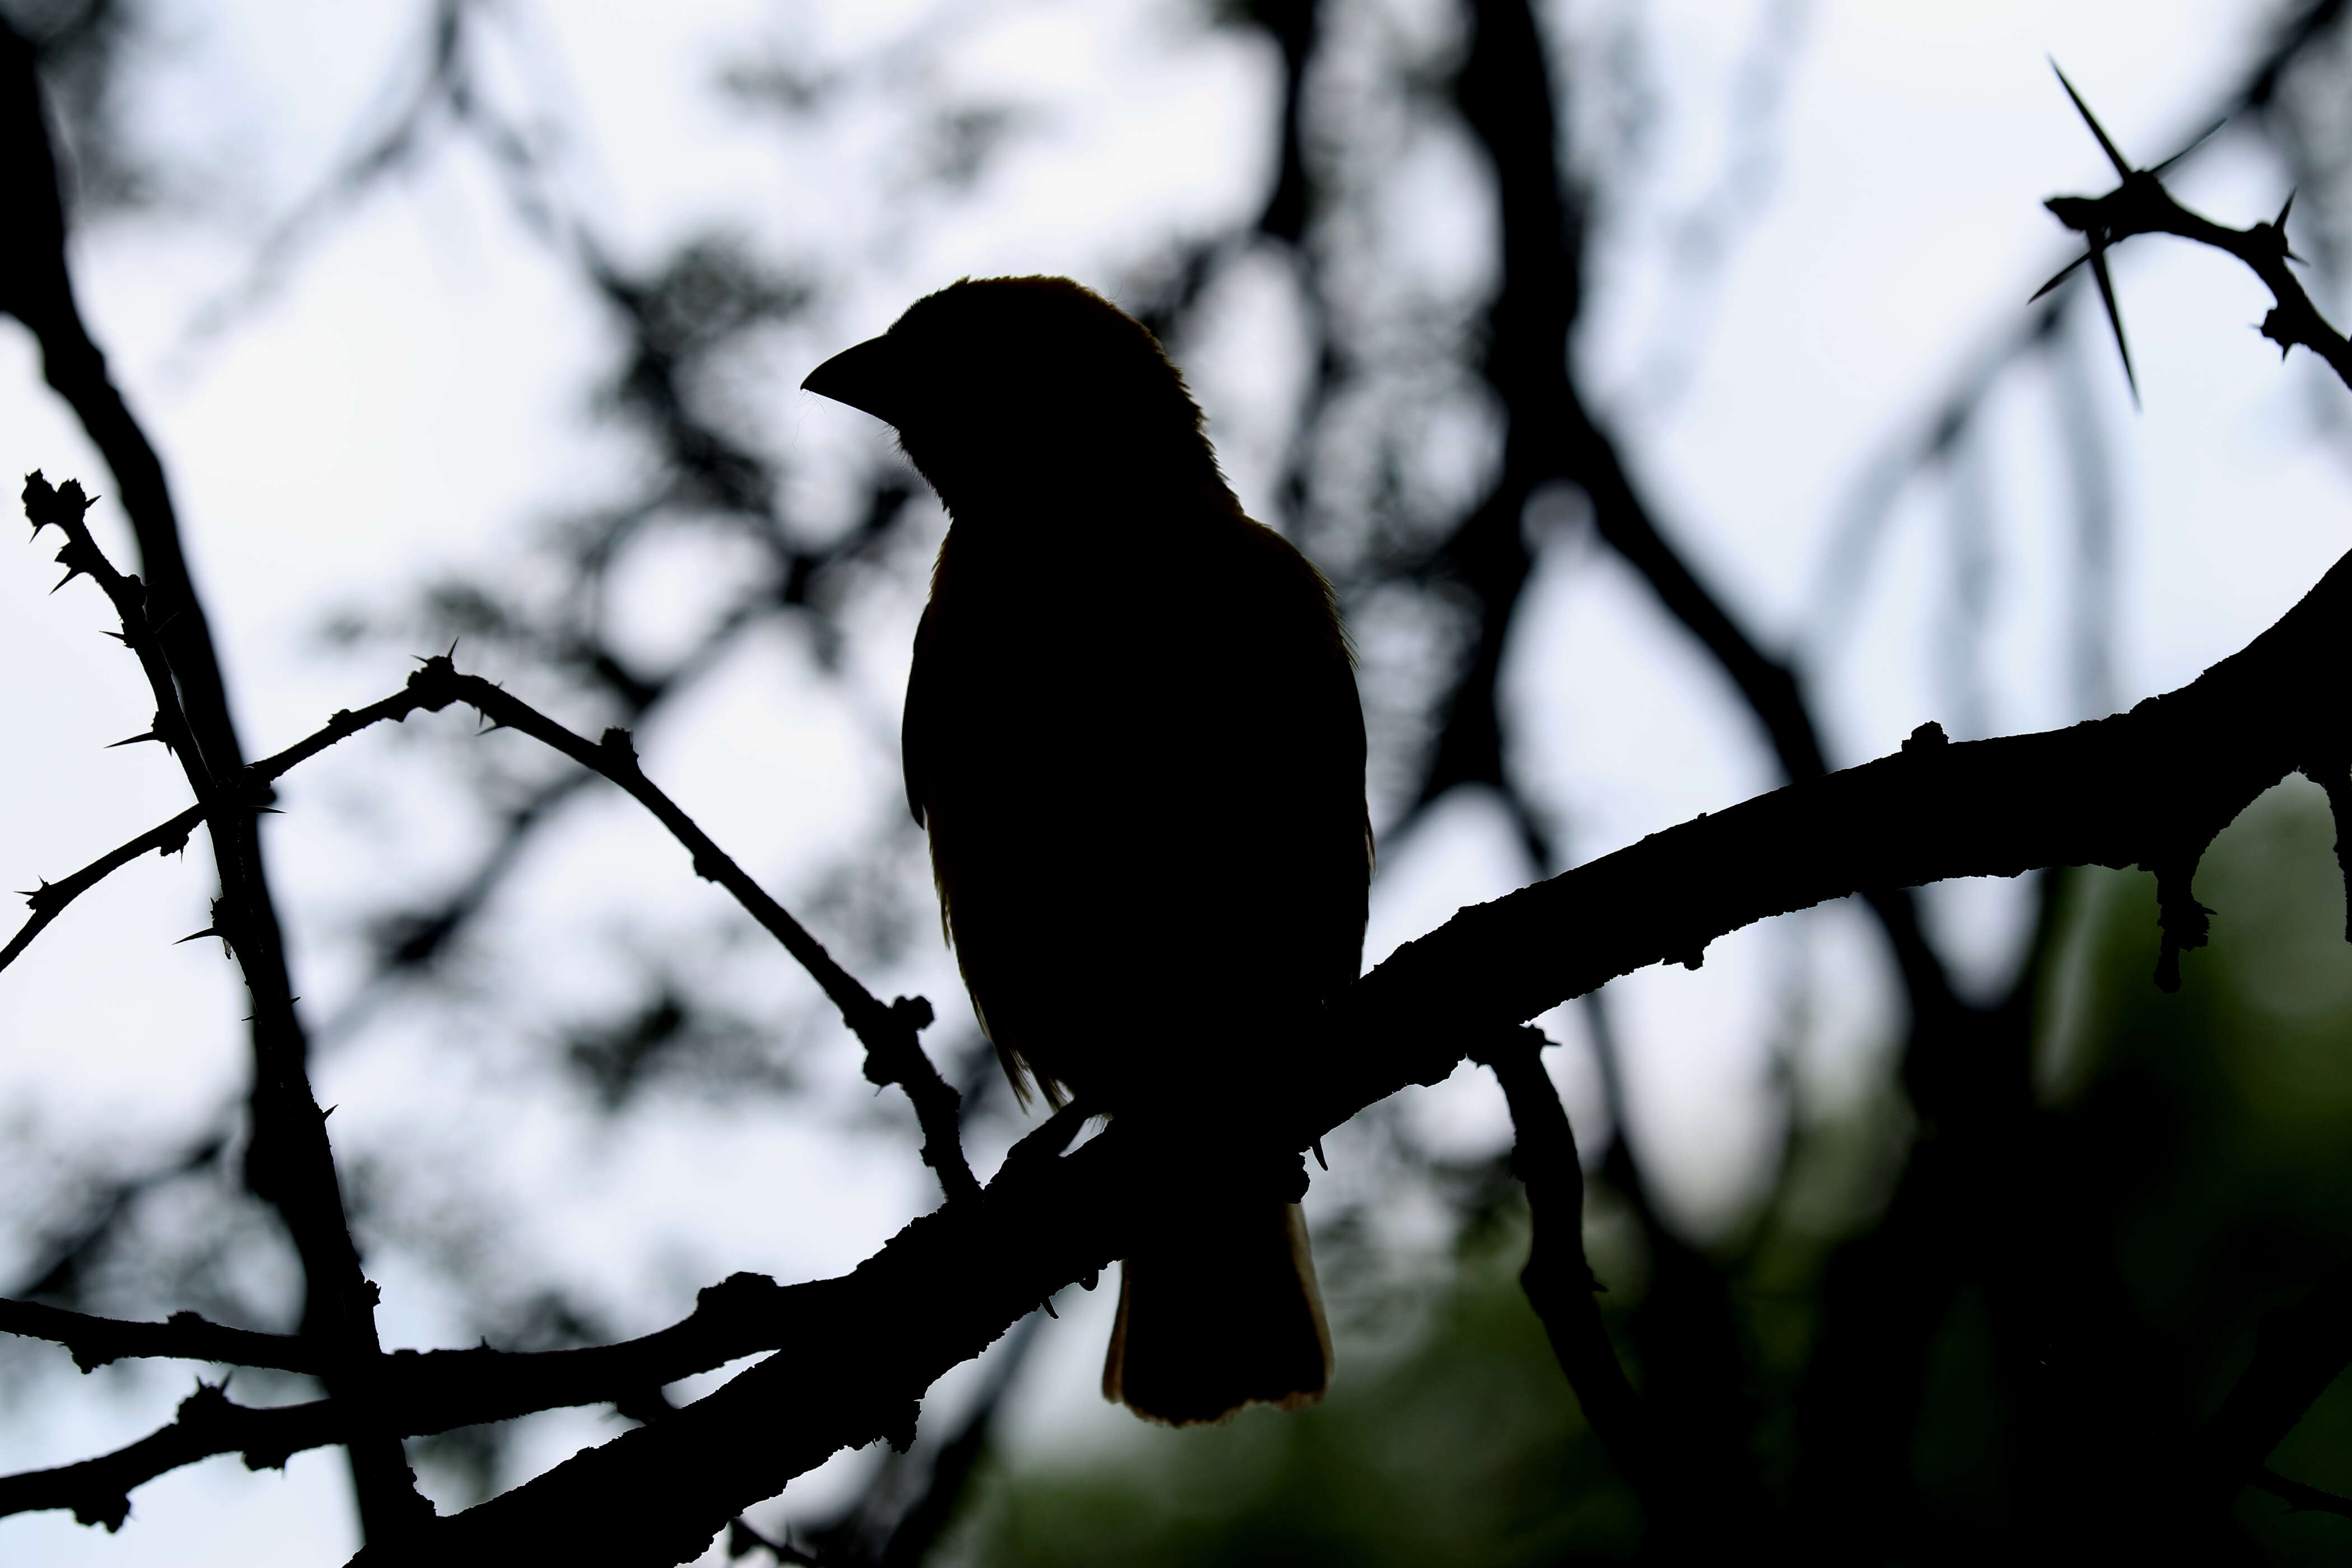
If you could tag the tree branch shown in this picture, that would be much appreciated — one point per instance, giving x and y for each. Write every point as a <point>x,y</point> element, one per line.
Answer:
<point>98,1491</point>
<point>429,1391</point>
<point>49,900</point>
<point>2149,787</point>
<point>893,1053</point>
<point>2140,204</point>
<point>289,1161</point>
<point>184,1336</point>
<point>1557,1279</point>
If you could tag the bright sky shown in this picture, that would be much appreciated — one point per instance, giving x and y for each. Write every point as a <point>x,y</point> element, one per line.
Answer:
<point>411,397</point>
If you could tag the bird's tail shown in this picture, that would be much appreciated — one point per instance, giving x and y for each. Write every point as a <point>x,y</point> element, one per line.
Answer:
<point>1219,1310</point>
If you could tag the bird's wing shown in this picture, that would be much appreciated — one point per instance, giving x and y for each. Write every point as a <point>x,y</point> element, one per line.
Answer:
<point>917,725</point>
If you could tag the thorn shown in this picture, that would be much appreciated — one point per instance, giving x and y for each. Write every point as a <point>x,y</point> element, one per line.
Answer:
<point>2285,207</point>
<point>1048,1305</point>
<point>1317,1146</point>
<point>195,935</point>
<point>135,740</point>
<point>331,1110</point>
<point>2196,142</point>
<point>2115,316</point>
<point>2059,276</point>
<point>2123,166</point>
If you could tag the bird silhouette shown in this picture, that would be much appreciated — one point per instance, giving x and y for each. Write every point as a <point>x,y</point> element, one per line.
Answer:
<point>1133,736</point>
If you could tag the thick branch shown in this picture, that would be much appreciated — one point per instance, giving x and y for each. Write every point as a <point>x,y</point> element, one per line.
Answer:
<point>2149,787</point>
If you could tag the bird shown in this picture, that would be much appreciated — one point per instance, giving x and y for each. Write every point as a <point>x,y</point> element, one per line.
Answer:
<point>1133,737</point>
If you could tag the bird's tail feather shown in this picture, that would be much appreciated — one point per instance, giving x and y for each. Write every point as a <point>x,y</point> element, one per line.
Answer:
<point>1219,1310</point>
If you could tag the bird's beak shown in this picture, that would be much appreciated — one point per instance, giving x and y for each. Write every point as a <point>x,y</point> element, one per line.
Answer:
<point>868,376</point>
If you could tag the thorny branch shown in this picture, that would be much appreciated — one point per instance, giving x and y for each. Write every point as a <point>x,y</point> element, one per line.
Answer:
<point>2149,787</point>
<point>2140,204</point>
<point>894,1055</point>
<point>49,900</point>
<point>289,1161</point>
<point>428,1391</point>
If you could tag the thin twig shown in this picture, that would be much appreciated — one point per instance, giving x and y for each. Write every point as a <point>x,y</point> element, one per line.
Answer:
<point>49,900</point>
<point>888,1031</point>
<point>1558,1277</point>
<point>184,1336</point>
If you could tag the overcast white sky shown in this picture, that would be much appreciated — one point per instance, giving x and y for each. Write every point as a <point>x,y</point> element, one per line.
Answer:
<point>412,395</point>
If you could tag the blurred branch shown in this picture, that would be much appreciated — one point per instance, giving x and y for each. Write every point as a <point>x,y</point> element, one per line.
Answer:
<point>65,1250</point>
<point>2299,1498</point>
<point>1557,1279</point>
<point>742,1541</point>
<point>2148,787</point>
<point>2302,1348</point>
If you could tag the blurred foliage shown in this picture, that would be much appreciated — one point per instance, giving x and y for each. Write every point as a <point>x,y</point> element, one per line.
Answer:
<point>1463,1447</point>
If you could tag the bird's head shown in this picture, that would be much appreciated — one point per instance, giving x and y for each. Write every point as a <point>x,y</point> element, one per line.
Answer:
<point>1029,393</point>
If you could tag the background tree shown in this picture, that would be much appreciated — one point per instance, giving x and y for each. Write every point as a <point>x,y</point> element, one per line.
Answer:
<point>1445,278</point>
